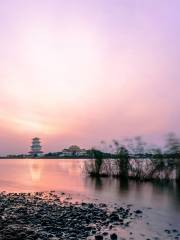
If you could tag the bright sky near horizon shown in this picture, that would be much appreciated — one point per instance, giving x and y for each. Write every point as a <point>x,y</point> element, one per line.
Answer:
<point>78,72</point>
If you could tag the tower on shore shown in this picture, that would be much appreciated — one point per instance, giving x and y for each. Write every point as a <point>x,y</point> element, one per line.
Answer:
<point>36,148</point>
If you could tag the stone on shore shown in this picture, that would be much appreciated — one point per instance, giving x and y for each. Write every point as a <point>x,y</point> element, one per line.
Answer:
<point>44,216</point>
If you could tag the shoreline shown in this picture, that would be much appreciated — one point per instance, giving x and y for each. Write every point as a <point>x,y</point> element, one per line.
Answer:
<point>51,216</point>
<point>58,216</point>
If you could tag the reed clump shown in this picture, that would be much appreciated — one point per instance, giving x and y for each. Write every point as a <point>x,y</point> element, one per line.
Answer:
<point>94,167</point>
<point>134,159</point>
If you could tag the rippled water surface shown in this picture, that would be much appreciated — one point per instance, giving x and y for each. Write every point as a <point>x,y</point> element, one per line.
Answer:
<point>161,201</point>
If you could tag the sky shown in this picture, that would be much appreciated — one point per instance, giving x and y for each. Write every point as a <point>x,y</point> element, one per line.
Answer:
<point>82,71</point>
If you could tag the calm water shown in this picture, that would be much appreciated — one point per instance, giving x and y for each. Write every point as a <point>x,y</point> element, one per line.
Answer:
<point>25,175</point>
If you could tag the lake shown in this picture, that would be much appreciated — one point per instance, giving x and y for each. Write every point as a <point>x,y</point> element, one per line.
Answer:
<point>160,202</point>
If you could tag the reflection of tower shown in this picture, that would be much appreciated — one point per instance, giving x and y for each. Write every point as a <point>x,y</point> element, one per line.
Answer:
<point>36,149</point>
<point>36,168</point>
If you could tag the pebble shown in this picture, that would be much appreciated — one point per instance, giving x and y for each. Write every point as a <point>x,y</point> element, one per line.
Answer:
<point>113,236</point>
<point>44,216</point>
<point>98,237</point>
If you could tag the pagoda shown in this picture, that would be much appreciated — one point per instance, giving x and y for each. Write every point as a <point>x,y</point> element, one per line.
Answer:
<point>36,148</point>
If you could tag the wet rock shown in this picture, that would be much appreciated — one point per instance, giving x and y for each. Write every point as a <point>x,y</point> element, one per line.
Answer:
<point>102,205</point>
<point>98,237</point>
<point>114,236</point>
<point>44,216</point>
<point>114,217</point>
<point>138,211</point>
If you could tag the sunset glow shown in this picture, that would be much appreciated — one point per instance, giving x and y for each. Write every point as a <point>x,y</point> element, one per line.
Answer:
<point>78,72</point>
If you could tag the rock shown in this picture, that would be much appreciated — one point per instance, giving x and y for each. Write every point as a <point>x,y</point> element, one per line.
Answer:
<point>114,217</point>
<point>90,205</point>
<point>102,205</point>
<point>138,211</point>
<point>167,231</point>
<point>110,227</point>
<point>113,236</point>
<point>54,238</point>
<point>46,216</point>
<point>98,237</point>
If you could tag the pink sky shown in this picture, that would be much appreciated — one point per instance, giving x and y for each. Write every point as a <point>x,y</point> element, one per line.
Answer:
<point>78,72</point>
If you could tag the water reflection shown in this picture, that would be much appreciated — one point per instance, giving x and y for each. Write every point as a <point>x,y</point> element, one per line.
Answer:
<point>36,168</point>
<point>157,195</point>
<point>123,185</point>
<point>67,175</point>
<point>71,167</point>
<point>95,182</point>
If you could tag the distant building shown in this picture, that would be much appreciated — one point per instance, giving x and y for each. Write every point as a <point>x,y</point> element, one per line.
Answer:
<point>73,151</point>
<point>36,148</point>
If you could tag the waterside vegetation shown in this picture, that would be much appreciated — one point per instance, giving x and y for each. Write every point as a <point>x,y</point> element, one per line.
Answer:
<point>134,159</point>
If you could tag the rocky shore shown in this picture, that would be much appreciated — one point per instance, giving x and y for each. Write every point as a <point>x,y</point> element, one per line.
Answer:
<point>48,216</point>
